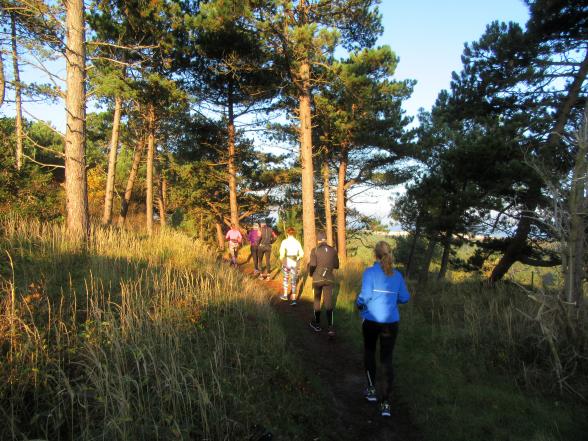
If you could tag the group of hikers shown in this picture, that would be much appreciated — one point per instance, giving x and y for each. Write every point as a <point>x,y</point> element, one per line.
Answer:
<point>382,289</point>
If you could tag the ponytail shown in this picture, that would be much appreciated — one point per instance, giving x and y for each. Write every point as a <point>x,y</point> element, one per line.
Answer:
<point>384,255</point>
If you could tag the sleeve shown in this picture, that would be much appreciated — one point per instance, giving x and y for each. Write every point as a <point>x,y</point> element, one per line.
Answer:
<point>227,235</point>
<point>365,295</point>
<point>312,262</point>
<point>240,237</point>
<point>336,261</point>
<point>403,294</point>
<point>300,251</point>
<point>283,249</point>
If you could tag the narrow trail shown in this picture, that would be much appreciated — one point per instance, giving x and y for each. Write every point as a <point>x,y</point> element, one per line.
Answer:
<point>339,365</point>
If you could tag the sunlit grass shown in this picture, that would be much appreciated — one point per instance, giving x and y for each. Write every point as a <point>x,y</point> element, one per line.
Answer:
<point>137,337</point>
<point>476,362</point>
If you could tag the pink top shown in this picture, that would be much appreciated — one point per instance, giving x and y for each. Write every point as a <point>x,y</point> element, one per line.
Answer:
<point>234,236</point>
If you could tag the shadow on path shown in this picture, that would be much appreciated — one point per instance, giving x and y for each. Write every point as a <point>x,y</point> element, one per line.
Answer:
<point>338,365</point>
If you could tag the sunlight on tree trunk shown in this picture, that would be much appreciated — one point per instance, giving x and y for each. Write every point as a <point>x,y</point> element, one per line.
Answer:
<point>124,207</point>
<point>341,209</point>
<point>327,200</point>
<point>150,159</point>
<point>308,220</point>
<point>76,184</point>
<point>232,175</point>
<point>109,194</point>
<point>220,238</point>
<point>17,95</point>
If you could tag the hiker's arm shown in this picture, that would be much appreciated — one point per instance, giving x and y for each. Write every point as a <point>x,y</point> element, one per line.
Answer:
<point>366,290</point>
<point>312,263</point>
<point>403,294</point>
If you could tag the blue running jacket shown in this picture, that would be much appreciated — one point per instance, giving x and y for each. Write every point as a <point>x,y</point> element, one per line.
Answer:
<point>380,295</point>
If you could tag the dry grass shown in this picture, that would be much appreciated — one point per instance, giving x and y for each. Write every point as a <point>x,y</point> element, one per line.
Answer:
<point>133,338</point>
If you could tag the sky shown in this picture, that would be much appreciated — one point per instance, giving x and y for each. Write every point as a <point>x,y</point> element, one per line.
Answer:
<point>427,35</point>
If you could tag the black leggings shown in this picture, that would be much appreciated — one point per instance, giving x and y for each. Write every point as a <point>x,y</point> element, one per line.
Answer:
<point>387,333</point>
<point>267,252</point>
<point>254,252</point>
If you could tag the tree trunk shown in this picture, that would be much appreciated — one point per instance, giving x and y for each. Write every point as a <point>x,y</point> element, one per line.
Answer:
<point>341,208</point>
<point>233,204</point>
<point>327,200</point>
<point>109,194</point>
<point>150,159</point>
<point>124,206</point>
<point>304,113</point>
<point>415,238</point>
<point>162,199</point>
<point>2,80</point>
<point>573,268</point>
<point>424,276</point>
<point>445,257</point>
<point>568,103</point>
<point>76,182</point>
<point>17,96</point>
<point>220,237</point>
<point>515,247</point>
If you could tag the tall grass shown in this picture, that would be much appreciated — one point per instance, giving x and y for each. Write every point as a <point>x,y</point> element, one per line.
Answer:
<point>136,337</point>
<point>485,363</point>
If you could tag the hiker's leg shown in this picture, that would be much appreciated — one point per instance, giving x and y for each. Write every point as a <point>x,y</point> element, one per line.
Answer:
<point>268,256</point>
<point>316,306</point>
<point>254,257</point>
<point>370,330</point>
<point>285,272</point>
<point>328,302</point>
<point>387,343</point>
<point>293,279</point>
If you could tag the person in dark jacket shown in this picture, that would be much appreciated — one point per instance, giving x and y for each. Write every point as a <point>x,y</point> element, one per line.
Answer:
<point>265,250</point>
<point>323,260</point>
<point>382,289</point>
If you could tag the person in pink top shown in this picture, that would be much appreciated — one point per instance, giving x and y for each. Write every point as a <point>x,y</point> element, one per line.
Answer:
<point>235,238</point>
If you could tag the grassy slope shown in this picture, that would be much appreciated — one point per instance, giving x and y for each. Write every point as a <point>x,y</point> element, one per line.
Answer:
<point>139,338</point>
<point>473,366</point>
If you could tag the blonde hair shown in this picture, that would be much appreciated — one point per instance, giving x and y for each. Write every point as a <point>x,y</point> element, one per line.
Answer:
<point>384,255</point>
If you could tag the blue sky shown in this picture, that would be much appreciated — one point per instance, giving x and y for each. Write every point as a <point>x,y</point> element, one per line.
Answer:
<point>429,35</point>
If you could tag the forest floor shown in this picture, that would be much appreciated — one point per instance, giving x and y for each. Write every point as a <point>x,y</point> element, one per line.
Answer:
<point>338,365</point>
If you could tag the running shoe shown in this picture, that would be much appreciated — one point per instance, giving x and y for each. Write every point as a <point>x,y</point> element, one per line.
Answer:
<point>385,409</point>
<point>331,332</point>
<point>261,276</point>
<point>284,298</point>
<point>293,302</point>
<point>370,394</point>
<point>316,327</point>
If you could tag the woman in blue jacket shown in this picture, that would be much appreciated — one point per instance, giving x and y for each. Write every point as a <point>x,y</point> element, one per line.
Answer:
<point>382,289</point>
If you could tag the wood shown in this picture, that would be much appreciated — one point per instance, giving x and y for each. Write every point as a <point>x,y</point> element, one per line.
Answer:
<point>306,163</point>
<point>232,172</point>
<point>112,155</point>
<point>341,207</point>
<point>76,183</point>
<point>327,202</point>
<point>150,160</point>
<point>19,154</point>
<point>124,207</point>
<point>445,256</point>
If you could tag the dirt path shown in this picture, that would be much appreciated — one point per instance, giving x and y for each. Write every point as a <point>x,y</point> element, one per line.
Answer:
<point>339,364</point>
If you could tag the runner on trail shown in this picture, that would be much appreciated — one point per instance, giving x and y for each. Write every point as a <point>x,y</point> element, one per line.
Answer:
<point>382,289</point>
<point>265,250</point>
<point>290,254</point>
<point>323,260</point>
<point>254,236</point>
<point>235,238</point>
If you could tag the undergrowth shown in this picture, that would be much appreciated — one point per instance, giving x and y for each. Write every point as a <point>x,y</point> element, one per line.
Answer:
<point>481,363</point>
<point>140,338</point>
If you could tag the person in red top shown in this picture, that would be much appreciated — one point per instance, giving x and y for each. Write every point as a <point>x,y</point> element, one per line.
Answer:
<point>235,238</point>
